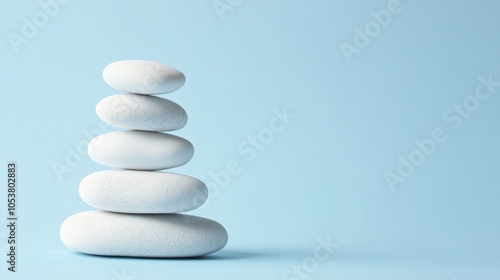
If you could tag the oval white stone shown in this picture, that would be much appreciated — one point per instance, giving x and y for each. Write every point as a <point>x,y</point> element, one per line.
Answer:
<point>129,191</point>
<point>141,112</point>
<point>143,77</point>
<point>148,235</point>
<point>140,150</point>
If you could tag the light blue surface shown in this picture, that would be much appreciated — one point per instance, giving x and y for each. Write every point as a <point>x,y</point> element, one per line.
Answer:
<point>322,175</point>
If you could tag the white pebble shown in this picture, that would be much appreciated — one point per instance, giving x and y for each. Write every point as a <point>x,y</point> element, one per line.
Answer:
<point>147,235</point>
<point>143,77</point>
<point>140,150</point>
<point>130,191</point>
<point>141,112</point>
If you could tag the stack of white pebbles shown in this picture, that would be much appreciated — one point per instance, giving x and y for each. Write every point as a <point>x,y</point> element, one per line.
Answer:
<point>138,204</point>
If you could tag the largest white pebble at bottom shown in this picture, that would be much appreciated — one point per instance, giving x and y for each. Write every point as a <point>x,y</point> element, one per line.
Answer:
<point>143,77</point>
<point>151,235</point>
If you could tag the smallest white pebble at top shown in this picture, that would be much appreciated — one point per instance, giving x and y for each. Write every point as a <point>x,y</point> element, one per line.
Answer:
<point>143,77</point>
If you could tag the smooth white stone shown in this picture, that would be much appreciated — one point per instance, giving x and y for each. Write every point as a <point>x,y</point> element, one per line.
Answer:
<point>130,191</point>
<point>141,112</point>
<point>143,77</point>
<point>146,235</point>
<point>140,150</point>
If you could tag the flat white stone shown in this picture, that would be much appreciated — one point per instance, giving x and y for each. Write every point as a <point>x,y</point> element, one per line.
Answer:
<point>130,191</point>
<point>141,112</point>
<point>147,235</point>
<point>143,77</point>
<point>140,150</point>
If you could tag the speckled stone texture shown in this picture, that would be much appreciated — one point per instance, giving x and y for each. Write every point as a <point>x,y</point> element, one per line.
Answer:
<point>147,235</point>
<point>128,191</point>
<point>141,112</point>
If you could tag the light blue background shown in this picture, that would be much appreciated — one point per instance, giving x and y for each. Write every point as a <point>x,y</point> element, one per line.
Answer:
<point>323,175</point>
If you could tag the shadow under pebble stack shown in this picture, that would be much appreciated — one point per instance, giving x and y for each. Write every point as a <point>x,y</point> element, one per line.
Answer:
<point>139,205</point>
